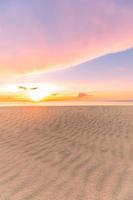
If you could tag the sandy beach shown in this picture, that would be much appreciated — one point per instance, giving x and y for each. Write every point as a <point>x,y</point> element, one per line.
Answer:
<point>66,153</point>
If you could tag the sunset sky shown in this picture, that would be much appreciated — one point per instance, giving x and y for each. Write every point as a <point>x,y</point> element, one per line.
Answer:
<point>66,49</point>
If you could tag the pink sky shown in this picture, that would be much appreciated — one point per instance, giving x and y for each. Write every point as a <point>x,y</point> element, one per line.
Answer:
<point>43,35</point>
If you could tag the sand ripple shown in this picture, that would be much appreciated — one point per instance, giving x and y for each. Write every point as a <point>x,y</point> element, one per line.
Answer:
<point>66,153</point>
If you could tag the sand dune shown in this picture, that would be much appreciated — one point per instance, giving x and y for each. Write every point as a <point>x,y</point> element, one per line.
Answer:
<point>66,153</point>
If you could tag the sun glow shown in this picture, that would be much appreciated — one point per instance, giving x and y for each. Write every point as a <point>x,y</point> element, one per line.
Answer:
<point>39,91</point>
<point>29,91</point>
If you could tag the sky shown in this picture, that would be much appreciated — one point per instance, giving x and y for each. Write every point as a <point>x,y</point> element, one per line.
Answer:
<point>83,46</point>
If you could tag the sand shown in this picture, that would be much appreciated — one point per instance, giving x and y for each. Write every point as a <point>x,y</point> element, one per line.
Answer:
<point>66,153</point>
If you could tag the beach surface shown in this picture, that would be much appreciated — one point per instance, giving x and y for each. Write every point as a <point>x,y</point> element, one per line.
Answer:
<point>66,153</point>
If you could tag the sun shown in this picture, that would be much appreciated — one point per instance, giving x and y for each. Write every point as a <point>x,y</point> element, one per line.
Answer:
<point>38,92</point>
<point>36,96</point>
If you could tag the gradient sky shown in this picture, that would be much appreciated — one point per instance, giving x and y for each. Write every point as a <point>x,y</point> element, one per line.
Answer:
<point>65,37</point>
